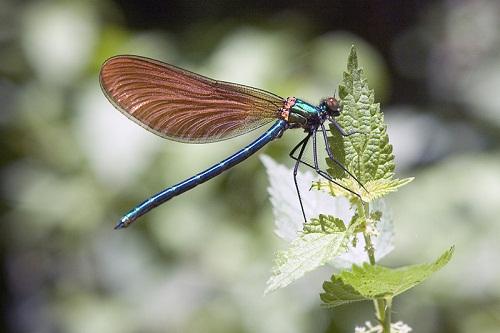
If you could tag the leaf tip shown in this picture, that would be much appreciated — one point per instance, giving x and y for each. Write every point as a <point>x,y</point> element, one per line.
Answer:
<point>352,60</point>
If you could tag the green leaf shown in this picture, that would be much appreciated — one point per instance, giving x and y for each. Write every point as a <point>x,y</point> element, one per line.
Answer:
<point>376,188</point>
<point>376,215</point>
<point>357,223</point>
<point>367,154</point>
<point>323,240</point>
<point>324,224</point>
<point>370,282</point>
<point>381,187</point>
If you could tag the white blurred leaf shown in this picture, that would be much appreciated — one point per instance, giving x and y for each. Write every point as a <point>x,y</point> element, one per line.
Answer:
<point>286,206</point>
<point>306,253</point>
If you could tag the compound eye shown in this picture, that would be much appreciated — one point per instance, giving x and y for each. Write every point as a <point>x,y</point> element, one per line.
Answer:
<point>333,104</point>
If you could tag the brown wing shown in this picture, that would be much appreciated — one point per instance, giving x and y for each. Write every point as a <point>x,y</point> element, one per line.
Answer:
<point>183,106</point>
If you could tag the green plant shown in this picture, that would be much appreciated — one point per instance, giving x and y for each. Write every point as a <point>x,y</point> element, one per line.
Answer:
<point>364,233</point>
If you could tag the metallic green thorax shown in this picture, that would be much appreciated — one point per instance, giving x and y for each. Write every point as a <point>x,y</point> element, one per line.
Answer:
<point>301,112</point>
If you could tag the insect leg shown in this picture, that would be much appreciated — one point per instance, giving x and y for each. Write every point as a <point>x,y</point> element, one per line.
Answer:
<point>315,167</point>
<point>330,154</point>
<point>340,129</point>
<point>323,173</point>
<point>302,144</point>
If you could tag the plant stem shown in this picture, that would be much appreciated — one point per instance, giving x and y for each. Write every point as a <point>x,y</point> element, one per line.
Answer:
<point>387,313</point>
<point>363,210</point>
<point>382,306</point>
<point>370,250</point>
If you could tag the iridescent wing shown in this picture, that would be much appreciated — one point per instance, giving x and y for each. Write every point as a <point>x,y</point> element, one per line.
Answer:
<point>183,106</point>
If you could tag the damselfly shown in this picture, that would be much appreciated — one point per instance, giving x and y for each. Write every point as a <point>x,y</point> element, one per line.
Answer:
<point>183,106</point>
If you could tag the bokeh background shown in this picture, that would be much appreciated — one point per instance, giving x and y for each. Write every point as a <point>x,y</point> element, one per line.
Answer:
<point>70,165</point>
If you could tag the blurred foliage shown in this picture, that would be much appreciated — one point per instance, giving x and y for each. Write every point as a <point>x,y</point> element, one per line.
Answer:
<point>71,164</point>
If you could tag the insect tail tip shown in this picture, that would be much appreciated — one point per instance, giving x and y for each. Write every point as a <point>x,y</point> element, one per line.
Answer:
<point>125,221</point>
<point>120,225</point>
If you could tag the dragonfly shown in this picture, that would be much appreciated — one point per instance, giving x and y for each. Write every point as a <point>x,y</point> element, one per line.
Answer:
<point>183,106</point>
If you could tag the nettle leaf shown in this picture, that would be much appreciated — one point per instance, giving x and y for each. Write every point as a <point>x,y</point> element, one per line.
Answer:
<point>375,189</point>
<point>376,216</point>
<point>324,224</point>
<point>369,282</point>
<point>381,187</point>
<point>322,241</point>
<point>367,154</point>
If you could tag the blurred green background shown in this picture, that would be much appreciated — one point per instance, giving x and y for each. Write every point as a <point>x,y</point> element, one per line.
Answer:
<point>71,164</point>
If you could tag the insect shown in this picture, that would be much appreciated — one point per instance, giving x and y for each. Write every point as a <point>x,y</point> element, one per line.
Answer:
<point>183,106</point>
